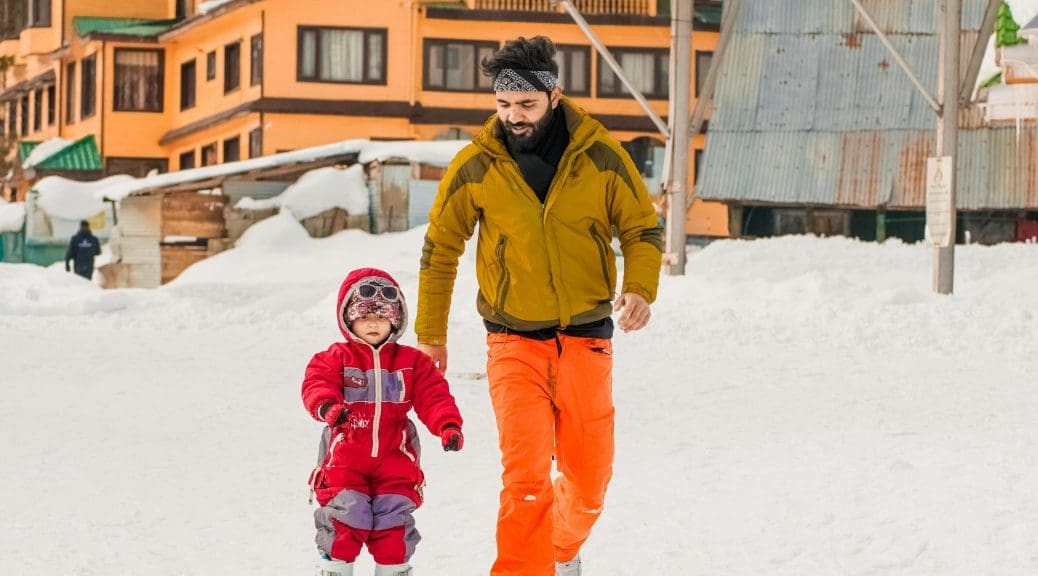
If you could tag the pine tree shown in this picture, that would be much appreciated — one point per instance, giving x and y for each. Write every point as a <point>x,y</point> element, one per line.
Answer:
<point>1006,28</point>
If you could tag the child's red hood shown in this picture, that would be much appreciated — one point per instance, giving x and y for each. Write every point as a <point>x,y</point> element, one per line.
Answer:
<point>346,290</point>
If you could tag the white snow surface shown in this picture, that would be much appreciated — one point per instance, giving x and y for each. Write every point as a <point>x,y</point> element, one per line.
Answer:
<point>436,153</point>
<point>319,190</point>
<point>12,215</point>
<point>210,5</point>
<point>797,406</point>
<point>73,200</point>
<point>45,150</point>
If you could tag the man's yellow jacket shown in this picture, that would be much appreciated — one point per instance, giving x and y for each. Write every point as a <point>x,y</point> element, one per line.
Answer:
<point>540,265</point>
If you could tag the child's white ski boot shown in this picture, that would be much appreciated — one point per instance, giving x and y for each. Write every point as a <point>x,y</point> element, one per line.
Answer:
<point>334,568</point>
<point>571,568</point>
<point>393,569</point>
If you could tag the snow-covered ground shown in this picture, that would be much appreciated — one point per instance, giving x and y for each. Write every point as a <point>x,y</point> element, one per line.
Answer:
<point>796,407</point>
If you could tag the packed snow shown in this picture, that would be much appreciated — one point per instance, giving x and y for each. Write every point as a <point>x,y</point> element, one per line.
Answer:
<point>796,406</point>
<point>12,216</point>
<point>319,190</point>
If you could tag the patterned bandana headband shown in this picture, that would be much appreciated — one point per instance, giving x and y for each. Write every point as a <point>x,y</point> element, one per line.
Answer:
<point>517,80</point>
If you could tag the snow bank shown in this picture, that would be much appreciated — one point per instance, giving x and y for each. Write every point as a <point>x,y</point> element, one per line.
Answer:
<point>12,216</point>
<point>436,153</point>
<point>75,200</point>
<point>45,150</point>
<point>317,191</point>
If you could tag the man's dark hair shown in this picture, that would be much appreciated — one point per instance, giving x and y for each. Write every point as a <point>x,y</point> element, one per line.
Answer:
<point>84,224</point>
<point>522,54</point>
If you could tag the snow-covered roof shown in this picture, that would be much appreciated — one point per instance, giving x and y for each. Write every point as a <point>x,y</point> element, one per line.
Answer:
<point>318,190</point>
<point>45,150</point>
<point>12,216</point>
<point>431,152</point>
<point>211,5</point>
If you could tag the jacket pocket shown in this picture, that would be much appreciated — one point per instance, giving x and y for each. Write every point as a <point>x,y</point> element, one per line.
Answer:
<point>604,252</point>
<point>505,278</point>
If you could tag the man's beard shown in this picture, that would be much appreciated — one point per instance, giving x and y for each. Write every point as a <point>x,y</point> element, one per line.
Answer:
<point>529,141</point>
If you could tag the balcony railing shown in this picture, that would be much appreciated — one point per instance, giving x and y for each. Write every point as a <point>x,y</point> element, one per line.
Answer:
<point>626,7</point>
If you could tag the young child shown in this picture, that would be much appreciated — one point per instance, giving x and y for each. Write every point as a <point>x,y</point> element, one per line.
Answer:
<point>369,479</point>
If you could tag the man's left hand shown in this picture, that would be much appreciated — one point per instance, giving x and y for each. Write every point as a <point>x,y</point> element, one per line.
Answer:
<point>634,313</point>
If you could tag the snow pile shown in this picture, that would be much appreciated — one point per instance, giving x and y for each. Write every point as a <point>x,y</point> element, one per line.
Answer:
<point>69,202</point>
<point>796,406</point>
<point>317,191</point>
<point>45,150</point>
<point>12,216</point>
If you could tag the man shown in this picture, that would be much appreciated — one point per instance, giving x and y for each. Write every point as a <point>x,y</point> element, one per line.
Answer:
<point>81,250</point>
<point>547,186</point>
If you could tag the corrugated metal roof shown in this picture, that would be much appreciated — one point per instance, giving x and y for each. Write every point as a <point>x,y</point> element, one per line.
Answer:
<point>80,155</point>
<point>811,109</point>
<point>122,26</point>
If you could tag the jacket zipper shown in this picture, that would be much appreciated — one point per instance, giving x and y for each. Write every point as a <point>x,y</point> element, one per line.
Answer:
<point>378,403</point>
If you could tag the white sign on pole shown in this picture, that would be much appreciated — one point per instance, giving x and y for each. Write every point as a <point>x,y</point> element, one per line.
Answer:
<point>938,201</point>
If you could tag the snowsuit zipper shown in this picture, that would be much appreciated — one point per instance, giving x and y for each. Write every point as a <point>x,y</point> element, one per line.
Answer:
<point>378,403</point>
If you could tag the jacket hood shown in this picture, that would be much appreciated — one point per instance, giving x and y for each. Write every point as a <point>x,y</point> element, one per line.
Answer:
<point>347,289</point>
<point>583,130</point>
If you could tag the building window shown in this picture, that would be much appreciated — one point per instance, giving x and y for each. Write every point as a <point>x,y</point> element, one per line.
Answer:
<point>646,68</point>
<point>187,160</point>
<point>231,67</point>
<point>697,165</point>
<point>452,65</point>
<point>70,93</point>
<point>138,80</point>
<point>24,117</point>
<point>702,68</point>
<point>188,78</point>
<point>256,143</point>
<point>37,110</point>
<point>356,55</point>
<point>574,69</point>
<point>88,87</point>
<point>183,7</point>
<point>232,149</point>
<point>210,66</point>
<point>39,13</point>
<point>256,60</point>
<point>52,96</point>
<point>209,154</point>
<point>12,118</point>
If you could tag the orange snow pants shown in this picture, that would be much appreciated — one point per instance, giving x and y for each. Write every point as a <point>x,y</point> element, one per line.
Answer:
<point>550,397</point>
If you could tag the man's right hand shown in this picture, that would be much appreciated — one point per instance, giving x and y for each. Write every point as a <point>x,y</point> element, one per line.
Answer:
<point>438,353</point>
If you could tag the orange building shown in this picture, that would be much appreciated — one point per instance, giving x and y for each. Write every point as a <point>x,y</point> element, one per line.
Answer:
<point>175,84</point>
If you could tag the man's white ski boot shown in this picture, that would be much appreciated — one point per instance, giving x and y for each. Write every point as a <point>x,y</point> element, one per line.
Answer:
<point>571,568</point>
<point>334,568</point>
<point>393,569</point>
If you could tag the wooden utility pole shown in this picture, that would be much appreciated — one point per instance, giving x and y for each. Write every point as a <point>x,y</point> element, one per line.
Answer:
<point>680,55</point>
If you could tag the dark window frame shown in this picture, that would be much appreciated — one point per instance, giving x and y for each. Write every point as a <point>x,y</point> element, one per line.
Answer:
<point>232,144</point>
<point>185,155</point>
<point>210,65</point>
<point>33,18</point>
<point>232,67</point>
<point>211,147</point>
<point>23,115</point>
<point>37,109</point>
<point>701,71</point>
<point>52,105</point>
<point>256,142</point>
<point>161,67</point>
<point>12,118</point>
<point>382,33</point>
<point>256,59</point>
<point>430,43</point>
<point>569,50</point>
<point>661,79</point>
<point>70,93</point>
<point>188,84</point>
<point>88,87</point>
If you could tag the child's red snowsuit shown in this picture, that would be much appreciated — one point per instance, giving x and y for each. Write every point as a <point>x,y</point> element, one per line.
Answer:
<point>369,480</point>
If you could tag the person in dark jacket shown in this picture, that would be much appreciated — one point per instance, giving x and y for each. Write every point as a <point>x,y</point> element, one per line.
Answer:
<point>82,249</point>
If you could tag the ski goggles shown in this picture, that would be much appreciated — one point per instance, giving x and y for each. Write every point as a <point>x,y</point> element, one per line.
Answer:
<point>368,291</point>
